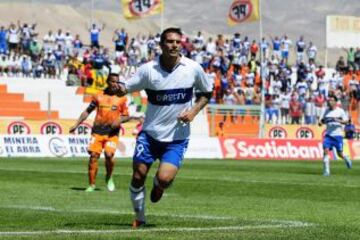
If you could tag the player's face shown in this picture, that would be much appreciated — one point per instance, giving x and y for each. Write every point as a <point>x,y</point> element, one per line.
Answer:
<point>331,102</point>
<point>112,82</point>
<point>171,45</point>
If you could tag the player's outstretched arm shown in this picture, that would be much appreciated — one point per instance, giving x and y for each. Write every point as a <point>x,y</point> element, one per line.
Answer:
<point>82,118</point>
<point>123,119</point>
<point>84,115</point>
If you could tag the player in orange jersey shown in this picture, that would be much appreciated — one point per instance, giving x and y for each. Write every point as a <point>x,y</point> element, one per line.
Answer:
<point>111,112</point>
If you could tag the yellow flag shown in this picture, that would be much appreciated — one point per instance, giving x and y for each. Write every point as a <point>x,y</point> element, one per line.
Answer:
<point>140,8</point>
<point>243,11</point>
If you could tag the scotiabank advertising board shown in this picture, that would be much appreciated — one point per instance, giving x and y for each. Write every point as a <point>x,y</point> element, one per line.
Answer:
<point>281,149</point>
<point>271,149</point>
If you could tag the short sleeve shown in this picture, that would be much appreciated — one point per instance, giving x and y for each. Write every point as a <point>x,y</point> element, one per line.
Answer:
<point>202,82</point>
<point>344,116</point>
<point>93,104</point>
<point>138,81</point>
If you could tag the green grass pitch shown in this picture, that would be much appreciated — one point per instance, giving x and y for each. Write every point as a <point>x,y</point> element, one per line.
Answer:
<point>210,199</point>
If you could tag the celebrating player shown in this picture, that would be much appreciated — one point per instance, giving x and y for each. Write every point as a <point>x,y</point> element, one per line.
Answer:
<point>169,82</point>
<point>334,117</point>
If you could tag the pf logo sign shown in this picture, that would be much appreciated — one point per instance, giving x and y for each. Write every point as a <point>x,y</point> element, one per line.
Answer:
<point>83,129</point>
<point>143,7</point>
<point>240,10</point>
<point>277,132</point>
<point>50,128</point>
<point>304,133</point>
<point>18,128</point>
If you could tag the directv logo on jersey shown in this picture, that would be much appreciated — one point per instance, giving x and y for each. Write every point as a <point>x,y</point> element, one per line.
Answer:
<point>171,96</point>
<point>329,120</point>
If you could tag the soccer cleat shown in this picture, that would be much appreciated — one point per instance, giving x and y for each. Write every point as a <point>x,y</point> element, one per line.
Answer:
<point>137,224</point>
<point>348,163</point>
<point>156,194</point>
<point>110,184</point>
<point>91,188</point>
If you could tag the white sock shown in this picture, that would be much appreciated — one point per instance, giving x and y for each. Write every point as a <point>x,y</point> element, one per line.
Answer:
<point>137,196</point>
<point>348,161</point>
<point>326,163</point>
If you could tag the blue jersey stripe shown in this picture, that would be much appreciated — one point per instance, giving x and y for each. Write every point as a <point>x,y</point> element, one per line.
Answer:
<point>169,96</point>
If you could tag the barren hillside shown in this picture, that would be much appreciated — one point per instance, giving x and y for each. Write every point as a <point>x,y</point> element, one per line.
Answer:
<point>295,18</point>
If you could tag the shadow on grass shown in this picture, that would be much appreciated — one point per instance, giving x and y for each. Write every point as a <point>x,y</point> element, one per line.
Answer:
<point>99,224</point>
<point>82,189</point>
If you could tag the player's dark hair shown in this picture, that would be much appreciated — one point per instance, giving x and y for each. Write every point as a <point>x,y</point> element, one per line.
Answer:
<point>109,76</point>
<point>334,97</point>
<point>110,73</point>
<point>169,30</point>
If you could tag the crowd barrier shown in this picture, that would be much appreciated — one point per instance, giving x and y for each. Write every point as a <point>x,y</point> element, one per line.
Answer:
<point>28,145</point>
<point>53,127</point>
<point>305,132</point>
<point>281,149</point>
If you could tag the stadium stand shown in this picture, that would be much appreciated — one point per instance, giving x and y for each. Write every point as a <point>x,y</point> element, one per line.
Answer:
<point>64,103</point>
<point>14,105</point>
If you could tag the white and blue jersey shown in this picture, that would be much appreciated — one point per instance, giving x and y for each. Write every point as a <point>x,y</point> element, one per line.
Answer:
<point>169,94</point>
<point>334,130</point>
<point>163,136</point>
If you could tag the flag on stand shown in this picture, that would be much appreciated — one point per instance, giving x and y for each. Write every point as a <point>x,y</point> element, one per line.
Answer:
<point>243,11</point>
<point>134,9</point>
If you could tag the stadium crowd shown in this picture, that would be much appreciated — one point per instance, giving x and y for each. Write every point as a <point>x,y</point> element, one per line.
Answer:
<point>294,93</point>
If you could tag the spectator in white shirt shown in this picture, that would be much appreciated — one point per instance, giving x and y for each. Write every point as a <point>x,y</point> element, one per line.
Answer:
<point>311,52</point>
<point>68,46</point>
<point>49,42</point>
<point>211,46</point>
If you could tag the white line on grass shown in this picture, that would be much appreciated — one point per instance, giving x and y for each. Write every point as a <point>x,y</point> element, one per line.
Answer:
<point>289,224</point>
<point>37,208</point>
<point>225,179</point>
<point>105,211</point>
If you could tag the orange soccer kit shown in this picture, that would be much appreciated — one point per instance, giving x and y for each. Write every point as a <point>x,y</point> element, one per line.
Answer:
<point>110,108</point>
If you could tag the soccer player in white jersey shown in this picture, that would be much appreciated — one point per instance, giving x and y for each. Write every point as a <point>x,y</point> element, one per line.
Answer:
<point>334,117</point>
<point>169,82</point>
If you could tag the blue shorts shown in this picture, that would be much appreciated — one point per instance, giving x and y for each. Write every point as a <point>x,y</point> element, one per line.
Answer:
<point>147,150</point>
<point>285,54</point>
<point>333,141</point>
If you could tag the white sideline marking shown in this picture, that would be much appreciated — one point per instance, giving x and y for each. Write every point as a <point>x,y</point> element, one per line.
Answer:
<point>226,179</point>
<point>104,211</point>
<point>39,208</point>
<point>276,223</point>
<point>287,224</point>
